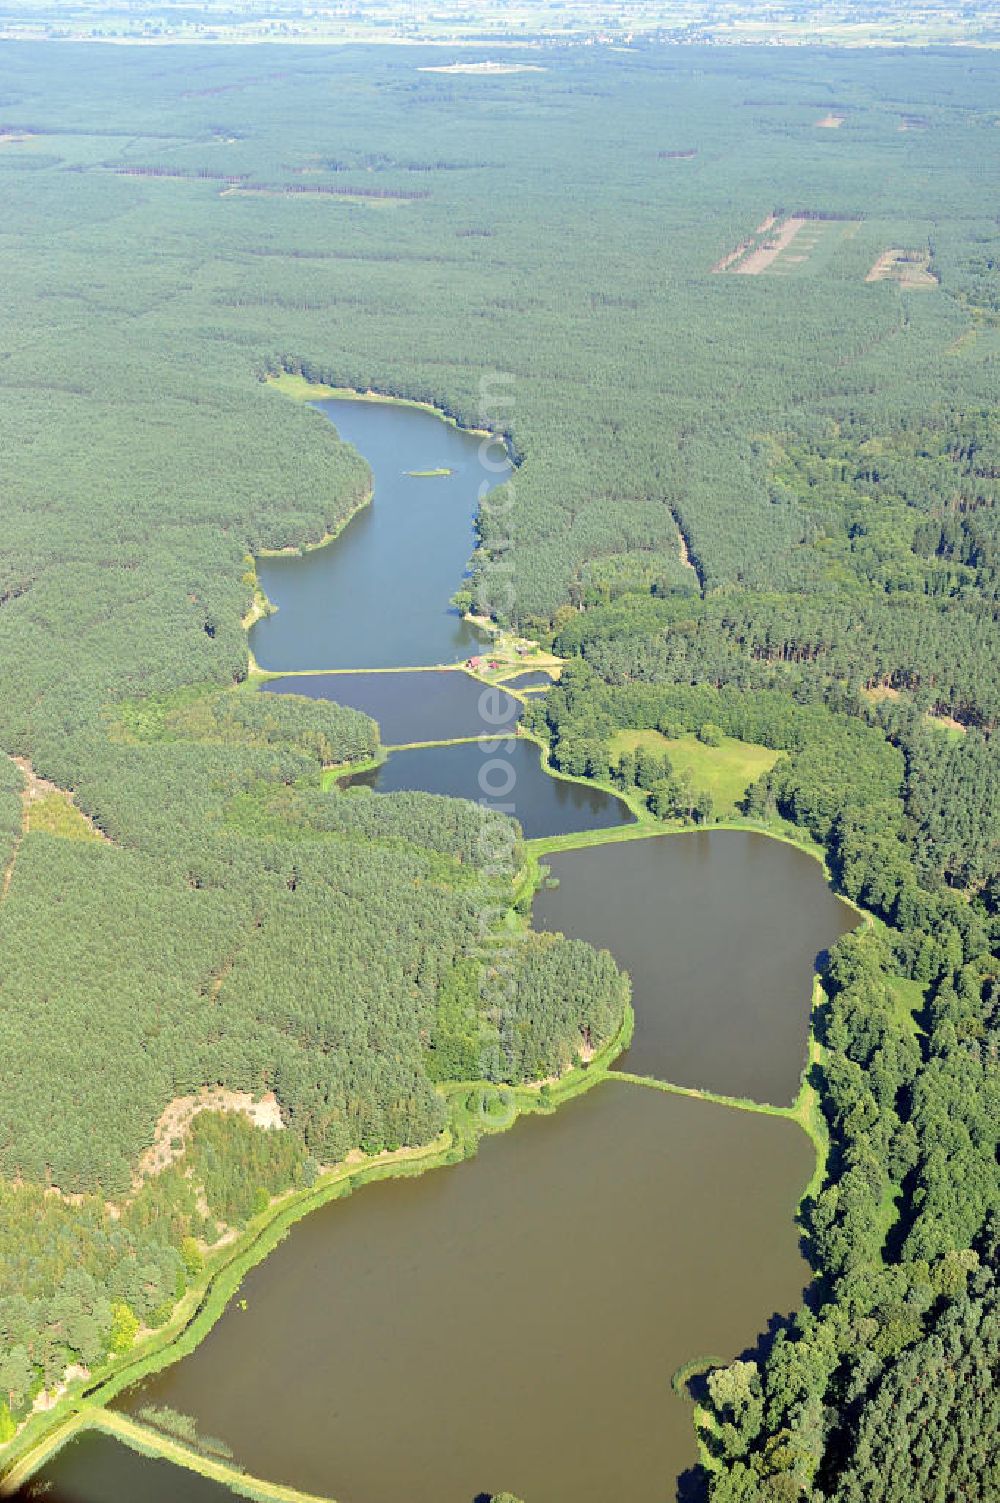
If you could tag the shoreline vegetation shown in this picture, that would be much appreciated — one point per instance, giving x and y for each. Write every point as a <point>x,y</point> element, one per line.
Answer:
<point>83,1404</point>
<point>299,389</point>
<point>753,514</point>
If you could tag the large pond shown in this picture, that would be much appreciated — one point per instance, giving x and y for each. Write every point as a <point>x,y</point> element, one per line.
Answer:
<point>720,932</point>
<point>429,706</point>
<point>508,776</point>
<point>512,1322</point>
<point>378,598</point>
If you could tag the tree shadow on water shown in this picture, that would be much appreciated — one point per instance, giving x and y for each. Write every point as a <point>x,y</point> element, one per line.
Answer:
<point>692,1485</point>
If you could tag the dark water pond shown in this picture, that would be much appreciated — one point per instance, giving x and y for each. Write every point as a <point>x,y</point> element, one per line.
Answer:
<point>93,1468</point>
<point>511,1322</point>
<point>536,678</point>
<point>378,598</point>
<point>720,932</point>
<point>507,775</point>
<point>413,706</point>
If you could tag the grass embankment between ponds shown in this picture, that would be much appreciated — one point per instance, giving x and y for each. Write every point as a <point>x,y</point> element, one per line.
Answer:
<point>332,775</point>
<point>146,1441</point>
<point>204,1302</point>
<point>806,1110</point>
<point>82,1406</point>
<point>489,739</point>
<point>258,675</point>
<point>647,826</point>
<point>807,1113</point>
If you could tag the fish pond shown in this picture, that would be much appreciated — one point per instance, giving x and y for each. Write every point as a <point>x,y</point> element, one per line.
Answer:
<point>514,1321</point>
<point>720,932</point>
<point>508,776</point>
<point>440,705</point>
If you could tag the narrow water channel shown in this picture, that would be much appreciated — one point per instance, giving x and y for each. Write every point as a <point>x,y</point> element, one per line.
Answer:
<point>510,778</point>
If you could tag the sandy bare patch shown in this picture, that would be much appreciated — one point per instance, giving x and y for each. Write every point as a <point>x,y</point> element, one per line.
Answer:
<point>878,692</point>
<point>908,268</point>
<point>481,68</point>
<point>830,122</point>
<point>744,245</point>
<point>172,1130</point>
<point>53,809</point>
<point>49,1398</point>
<point>760,259</point>
<point>734,255</point>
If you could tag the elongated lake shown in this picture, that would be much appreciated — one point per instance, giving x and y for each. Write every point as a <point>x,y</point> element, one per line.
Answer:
<point>378,597</point>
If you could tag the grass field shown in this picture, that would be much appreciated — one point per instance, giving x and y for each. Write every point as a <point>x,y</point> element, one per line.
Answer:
<point>813,247</point>
<point>725,771</point>
<point>908,998</point>
<point>57,815</point>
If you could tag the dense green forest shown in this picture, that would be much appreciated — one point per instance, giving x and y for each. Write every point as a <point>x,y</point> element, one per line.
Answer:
<point>766,504</point>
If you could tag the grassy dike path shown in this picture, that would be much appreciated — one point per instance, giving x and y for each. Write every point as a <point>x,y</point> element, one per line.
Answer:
<point>149,1442</point>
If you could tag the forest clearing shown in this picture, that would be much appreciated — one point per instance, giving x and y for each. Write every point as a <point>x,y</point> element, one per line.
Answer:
<point>911,269</point>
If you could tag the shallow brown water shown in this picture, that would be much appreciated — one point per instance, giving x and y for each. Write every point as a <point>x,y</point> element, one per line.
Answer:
<point>93,1468</point>
<point>720,932</point>
<point>511,1322</point>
